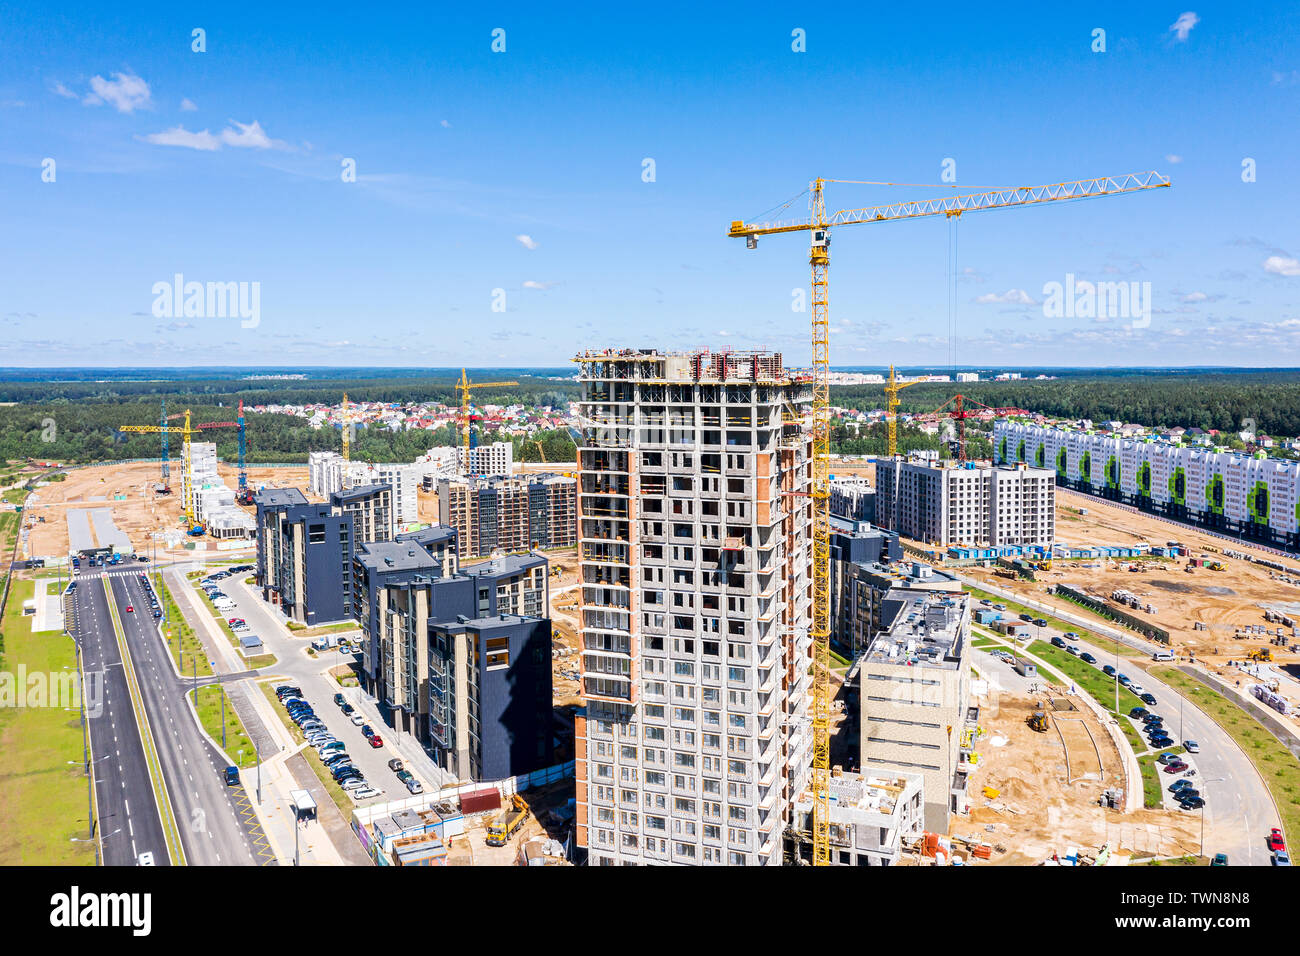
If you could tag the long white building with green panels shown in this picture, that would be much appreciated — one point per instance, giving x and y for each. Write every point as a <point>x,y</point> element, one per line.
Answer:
<point>1252,497</point>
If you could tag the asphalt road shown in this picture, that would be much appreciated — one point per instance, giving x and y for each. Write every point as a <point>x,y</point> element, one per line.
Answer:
<point>1238,809</point>
<point>206,814</point>
<point>129,821</point>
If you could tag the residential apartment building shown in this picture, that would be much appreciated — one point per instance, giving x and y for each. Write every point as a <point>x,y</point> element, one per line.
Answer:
<point>872,817</point>
<point>968,504</point>
<point>695,521</point>
<point>329,472</point>
<point>1253,497</point>
<point>304,556</point>
<point>208,498</point>
<point>460,659</point>
<point>915,710</point>
<point>854,498</point>
<point>522,513</point>
<point>497,458</point>
<point>371,510</point>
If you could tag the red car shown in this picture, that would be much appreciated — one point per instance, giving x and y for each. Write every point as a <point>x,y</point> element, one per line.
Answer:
<point>1176,767</point>
<point>376,741</point>
<point>1275,841</point>
<point>130,608</point>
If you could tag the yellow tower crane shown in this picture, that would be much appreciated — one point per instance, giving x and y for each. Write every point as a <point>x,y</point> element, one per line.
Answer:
<point>819,224</point>
<point>187,431</point>
<point>464,386</point>
<point>892,388</point>
<point>345,422</point>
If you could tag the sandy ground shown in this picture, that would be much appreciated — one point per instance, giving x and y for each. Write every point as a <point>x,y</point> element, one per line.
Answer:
<point>546,806</point>
<point>1224,601</point>
<point>564,631</point>
<point>1037,811</point>
<point>140,512</point>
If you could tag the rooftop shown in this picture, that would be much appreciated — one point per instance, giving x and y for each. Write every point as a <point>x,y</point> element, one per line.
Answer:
<point>394,556</point>
<point>921,628</point>
<point>279,497</point>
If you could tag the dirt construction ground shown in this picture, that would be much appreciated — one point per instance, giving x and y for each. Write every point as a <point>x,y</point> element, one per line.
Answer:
<point>139,512</point>
<point>1037,811</point>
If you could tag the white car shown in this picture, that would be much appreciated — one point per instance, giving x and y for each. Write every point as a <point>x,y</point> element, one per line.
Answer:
<point>358,719</point>
<point>366,793</point>
<point>144,859</point>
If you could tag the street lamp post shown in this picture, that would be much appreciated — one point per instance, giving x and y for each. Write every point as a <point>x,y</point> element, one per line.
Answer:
<point>223,725</point>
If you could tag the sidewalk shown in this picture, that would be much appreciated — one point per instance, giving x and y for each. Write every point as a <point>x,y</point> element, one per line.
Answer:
<point>275,811</point>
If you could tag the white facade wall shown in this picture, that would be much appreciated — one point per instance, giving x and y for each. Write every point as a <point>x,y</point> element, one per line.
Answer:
<point>1242,476</point>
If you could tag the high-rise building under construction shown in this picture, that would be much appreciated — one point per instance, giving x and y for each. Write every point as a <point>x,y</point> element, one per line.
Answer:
<point>695,545</point>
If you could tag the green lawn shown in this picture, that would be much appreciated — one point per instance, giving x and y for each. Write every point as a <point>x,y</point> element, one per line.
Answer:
<point>1092,637</point>
<point>43,795</point>
<point>324,628</point>
<point>1278,767</point>
<point>208,704</point>
<point>1088,677</point>
<point>190,651</point>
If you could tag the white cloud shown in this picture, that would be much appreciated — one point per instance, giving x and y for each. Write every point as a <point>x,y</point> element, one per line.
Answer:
<point>445,124</point>
<point>1282,266</point>
<point>180,136</point>
<point>1195,297</point>
<point>1173,158</point>
<point>1182,27</point>
<point>532,284</point>
<point>187,105</point>
<point>1011,297</point>
<point>125,92</point>
<point>63,91</point>
<point>1286,79</point>
<point>723,332</point>
<point>528,242</point>
<point>250,136</point>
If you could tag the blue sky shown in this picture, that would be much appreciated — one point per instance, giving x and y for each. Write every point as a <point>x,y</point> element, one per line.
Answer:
<point>225,166</point>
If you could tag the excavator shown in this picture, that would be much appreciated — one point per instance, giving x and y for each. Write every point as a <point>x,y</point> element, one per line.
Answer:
<point>1039,721</point>
<point>507,822</point>
<point>1262,654</point>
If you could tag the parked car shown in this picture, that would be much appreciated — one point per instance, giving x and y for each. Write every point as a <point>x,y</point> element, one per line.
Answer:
<point>347,710</point>
<point>1087,658</point>
<point>1108,671</point>
<point>1220,859</point>
<point>1280,858</point>
<point>366,793</point>
<point>985,601</point>
<point>395,765</point>
<point>1191,746</point>
<point>353,783</point>
<point>1186,793</point>
<point>1168,758</point>
<point>1026,617</point>
<point>1176,766</point>
<point>1183,784</point>
<point>338,699</point>
<point>357,719</point>
<point>1123,679</point>
<point>1191,803</point>
<point>367,730</point>
<point>405,775</point>
<point>1148,699</point>
<point>1040,622</point>
<point>1138,712</point>
<point>1276,840</point>
<point>1072,650</point>
<point>376,741</point>
<point>1058,642</point>
<point>413,786</point>
<point>232,776</point>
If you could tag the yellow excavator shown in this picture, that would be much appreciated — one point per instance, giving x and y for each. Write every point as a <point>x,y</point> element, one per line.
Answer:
<point>507,822</point>
<point>1261,654</point>
<point>1039,721</point>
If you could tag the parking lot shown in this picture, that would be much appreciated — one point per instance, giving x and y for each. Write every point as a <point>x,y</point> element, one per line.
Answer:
<point>311,675</point>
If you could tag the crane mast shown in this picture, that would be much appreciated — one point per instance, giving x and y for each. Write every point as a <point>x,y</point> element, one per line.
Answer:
<point>819,258</point>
